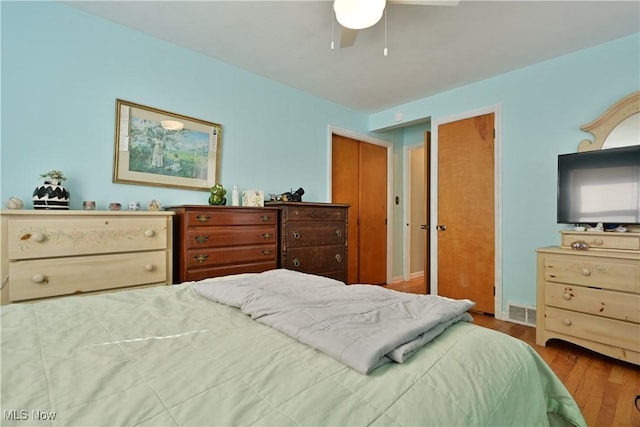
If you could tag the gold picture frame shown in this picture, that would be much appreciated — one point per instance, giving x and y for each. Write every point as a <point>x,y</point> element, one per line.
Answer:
<point>159,148</point>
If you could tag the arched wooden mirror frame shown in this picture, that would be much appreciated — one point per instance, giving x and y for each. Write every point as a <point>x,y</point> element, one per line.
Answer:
<point>602,127</point>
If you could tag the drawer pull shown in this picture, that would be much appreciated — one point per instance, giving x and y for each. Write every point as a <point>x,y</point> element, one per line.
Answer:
<point>267,236</point>
<point>267,251</point>
<point>149,267</point>
<point>566,296</point>
<point>149,233</point>
<point>567,322</point>
<point>201,238</point>
<point>39,278</point>
<point>579,245</point>
<point>201,258</point>
<point>338,232</point>
<point>296,235</point>
<point>338,258</point>
<point>203,217</point>
<point>265,218</point>
<point>296,262</point>
<point>35,236</point>
<point>585,272</point>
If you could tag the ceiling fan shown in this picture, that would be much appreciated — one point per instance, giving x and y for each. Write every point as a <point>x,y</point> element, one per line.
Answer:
<point>354,15</point>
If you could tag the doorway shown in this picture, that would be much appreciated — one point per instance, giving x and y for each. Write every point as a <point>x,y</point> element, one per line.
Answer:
<point>466,233</point>
<point>359,177</point>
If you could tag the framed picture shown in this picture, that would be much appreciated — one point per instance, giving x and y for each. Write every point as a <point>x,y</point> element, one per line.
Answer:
<point>159,148</point>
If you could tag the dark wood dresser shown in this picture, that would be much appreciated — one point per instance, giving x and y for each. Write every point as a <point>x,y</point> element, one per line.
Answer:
<point>211,241</point>
<point>313,237</point>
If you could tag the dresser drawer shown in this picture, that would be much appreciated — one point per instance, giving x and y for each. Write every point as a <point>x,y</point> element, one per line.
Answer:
<point>230,216</point>
<point>203,237</point>
<point>59,236</point>
<point>606,273</point>
<point>60,276</point>
<point>607,331</point>
<point>311,213</point>
<point>207,257</point>
<point>304,234</point>
<point>615,305</point>
<point>602,240</point>
<point>225,270</point>
<point>316,259</point>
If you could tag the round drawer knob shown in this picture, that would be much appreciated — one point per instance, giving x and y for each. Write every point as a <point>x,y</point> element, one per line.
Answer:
<point>149,233</point>
<point>566,322</point>
<point>296,235</point>
<point>585,272</point>
<point>149,267</point>
<point>566,296</point>
<point>37,237</point>
<point>296,262</point>
<point>338,258</point>
<point>338,233</point>
<point>38,278</point>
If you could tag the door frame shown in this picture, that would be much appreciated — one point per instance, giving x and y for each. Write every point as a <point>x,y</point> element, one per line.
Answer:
<point>406,208</point>
<point>331,130</point>
<point>497,166</point>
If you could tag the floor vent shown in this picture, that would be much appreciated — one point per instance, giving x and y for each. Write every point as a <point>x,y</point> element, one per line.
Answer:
<point>522,314</point>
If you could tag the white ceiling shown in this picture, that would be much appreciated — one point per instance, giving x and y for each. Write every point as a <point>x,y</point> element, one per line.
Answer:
<point>431,48</point>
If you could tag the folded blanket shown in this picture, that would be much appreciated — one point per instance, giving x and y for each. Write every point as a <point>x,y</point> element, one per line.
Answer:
<point>363,326</point>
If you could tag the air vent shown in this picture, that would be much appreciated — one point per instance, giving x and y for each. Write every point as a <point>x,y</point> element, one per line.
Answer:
<point>522,314</point>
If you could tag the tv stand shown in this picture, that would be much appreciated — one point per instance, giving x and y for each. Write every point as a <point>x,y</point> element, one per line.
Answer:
<point>590,297</point>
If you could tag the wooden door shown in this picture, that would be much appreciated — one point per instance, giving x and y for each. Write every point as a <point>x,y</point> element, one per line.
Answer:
<point>427,211</point>
<point>466,211</point>
<point>359,178</point>
<point>373,214</point>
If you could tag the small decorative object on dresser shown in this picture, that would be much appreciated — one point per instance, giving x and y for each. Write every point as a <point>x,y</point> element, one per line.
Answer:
<point>216,198</point>
<point>51,194</point>
<point>253,198</point>
<point>212,241</point>
<point>313,238</point>
<point>67,252</point>
<point>591,297</point>
<point>14,203</point>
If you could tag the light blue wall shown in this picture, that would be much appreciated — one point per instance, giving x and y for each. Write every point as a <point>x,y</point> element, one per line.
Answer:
<point>543,107</point>
<point>62,71</point>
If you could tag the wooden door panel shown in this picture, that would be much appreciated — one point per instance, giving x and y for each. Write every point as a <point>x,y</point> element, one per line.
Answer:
<point>466,249</point>
<point>345,189</point>
<point>373,214</point>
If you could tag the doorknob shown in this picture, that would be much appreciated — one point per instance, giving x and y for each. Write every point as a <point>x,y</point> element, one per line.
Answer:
<point>441,227</point>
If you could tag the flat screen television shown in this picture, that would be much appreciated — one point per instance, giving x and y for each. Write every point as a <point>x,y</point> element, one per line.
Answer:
<point>601,186</point>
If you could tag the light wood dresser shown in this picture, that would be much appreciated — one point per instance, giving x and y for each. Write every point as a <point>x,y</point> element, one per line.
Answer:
<point>591,297</point>
<point>213,241</point>
<point>313,238</point>
<point>54,253</point>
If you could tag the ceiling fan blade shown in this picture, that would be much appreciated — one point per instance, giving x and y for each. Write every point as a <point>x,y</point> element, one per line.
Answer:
<point>347,36</point>
<point>426,3</point>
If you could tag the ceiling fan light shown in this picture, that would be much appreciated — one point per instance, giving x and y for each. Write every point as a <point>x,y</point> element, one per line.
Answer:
<point>358,14</point>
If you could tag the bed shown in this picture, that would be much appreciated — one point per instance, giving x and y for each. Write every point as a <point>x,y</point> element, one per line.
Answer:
<point>170,356</point>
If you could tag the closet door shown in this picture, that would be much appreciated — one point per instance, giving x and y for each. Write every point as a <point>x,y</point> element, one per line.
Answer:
<point>359,177</point>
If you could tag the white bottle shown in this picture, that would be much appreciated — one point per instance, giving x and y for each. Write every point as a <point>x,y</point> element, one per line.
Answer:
<point>235,197</point>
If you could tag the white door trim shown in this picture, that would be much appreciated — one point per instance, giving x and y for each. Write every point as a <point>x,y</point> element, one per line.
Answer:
<point>389,146</point>
<point>497,110</point>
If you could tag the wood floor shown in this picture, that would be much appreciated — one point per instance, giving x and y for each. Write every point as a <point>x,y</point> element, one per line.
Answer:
<point>604,388</point>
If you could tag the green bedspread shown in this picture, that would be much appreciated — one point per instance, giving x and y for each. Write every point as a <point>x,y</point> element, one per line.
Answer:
<point>165,356</point>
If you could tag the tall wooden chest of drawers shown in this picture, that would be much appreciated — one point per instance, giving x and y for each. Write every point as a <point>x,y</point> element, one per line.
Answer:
<point>591,297</point>
<point>213,241</point>
<point>313,238</point>
<point>54,253</point>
